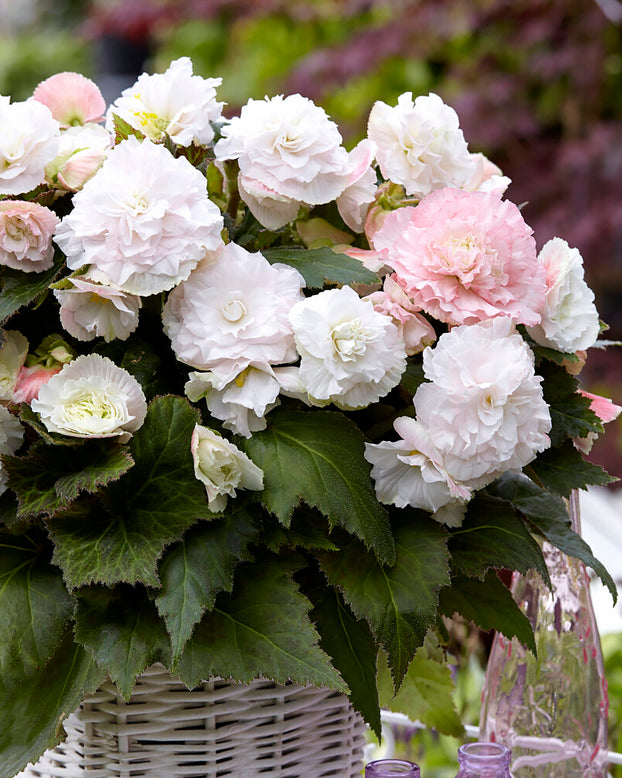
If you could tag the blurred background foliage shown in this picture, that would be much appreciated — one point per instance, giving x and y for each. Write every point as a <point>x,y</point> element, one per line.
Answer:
<point>536,84</point>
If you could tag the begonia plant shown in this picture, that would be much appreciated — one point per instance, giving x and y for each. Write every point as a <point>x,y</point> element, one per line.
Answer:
<point>270,407</point>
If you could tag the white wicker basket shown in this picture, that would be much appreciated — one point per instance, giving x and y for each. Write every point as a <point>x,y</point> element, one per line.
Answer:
<point>220,729</point>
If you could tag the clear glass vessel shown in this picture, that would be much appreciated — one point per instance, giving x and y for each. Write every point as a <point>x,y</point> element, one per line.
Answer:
<point>484,760</point>
<point>551,710</point>
<point>390,768</point>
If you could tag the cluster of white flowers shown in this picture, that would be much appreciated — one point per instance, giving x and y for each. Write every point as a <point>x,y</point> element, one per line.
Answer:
<point>480,413</point>
<point>142,224</point>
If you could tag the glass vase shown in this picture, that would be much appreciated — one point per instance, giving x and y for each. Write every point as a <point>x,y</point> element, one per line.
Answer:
<point>484,760</point>
<point>390,768</point>
<point>551,710</point>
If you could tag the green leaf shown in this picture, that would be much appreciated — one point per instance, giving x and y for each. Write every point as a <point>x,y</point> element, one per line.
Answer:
<point>571,414</point>
<point>124,130</point>
<point>318,266</point>
<point>121,629</point>
<point>351,646</point>
<point>261,630</point>
<point>34,608</point>
<point>413,376</point>
<point>549,513</point>
<point>426,694</point>
<point>19,288</point>
<point>308,530</point>
<point>398,602</point>
<point>318,458</point>
<point>8,509</point>
<point>494,536</point>
<point>30,721</point>
<point>489,604</point>
<point>563,469</point>
<point>49,478</point>
<point>122,538</point>
<point>199,568</point>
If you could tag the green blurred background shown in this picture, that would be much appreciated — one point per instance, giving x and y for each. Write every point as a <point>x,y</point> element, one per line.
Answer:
<point>538,88</point>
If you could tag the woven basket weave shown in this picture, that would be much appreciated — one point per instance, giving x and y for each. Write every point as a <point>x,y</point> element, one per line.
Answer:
<point>219,729</point>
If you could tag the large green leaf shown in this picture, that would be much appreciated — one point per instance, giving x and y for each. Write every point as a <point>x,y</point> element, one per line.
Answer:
<point>122,538</point>
<point>398,602</point>
<point>19,288</point>
<point>261,630</point>
<point>351,646</point>
<point>121,629</point>
<point>487,603</point>
<point>426,694</point>
<point>548,512</point>
<point>318,458</point>
<point>199,568</point>
<point>563,469</point>
<point>317,266</point>
<point>50,477</point>
<point>30,721</point>
<point>34,608</point>
<point>571,414</point>
<point>493,536</point>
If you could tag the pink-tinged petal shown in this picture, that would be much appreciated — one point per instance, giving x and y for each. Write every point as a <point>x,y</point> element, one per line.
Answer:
<point>30,380</point>
<point>72,98</point>
<point>603,407</point>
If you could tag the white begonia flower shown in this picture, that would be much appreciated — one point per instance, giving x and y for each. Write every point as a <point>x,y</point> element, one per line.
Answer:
<point>81,153</point>
<point>13,352</point>
<point>569,317</point>
<point>29,139</point>
<point>26,231</point>
<point>289,152</point>
<point>420,144</point>
<point>144,220</point>
<point>91,397</point>
<point>176,103</point>
<point>89,310</point>
<point>234,310</point>
<point>222,467</point>
<point>11,436</point>
<point>410,471</point>
<point>351,355</point>
<point>484,402</point>
<point>238,395</point>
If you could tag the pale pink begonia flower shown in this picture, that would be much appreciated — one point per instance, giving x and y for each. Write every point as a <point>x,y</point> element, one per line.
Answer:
<point>176,103</point>
<point>360,190</point>
<point>289,153</point>
<point>415,329</point>
<point>351,355</point>
<point>464,257</point>
<point>221,467</point>
<point>570,320</point>
<point>234,309</point>
<point>143,221</point>
<point>410,471</point>
<point>29,140</point>
<point>606,410</point>
<point>82,152</point>
<point>11,436</point>
<point>72,98</point>
<point>91,397</point>
<point>89,310</point>
<point>483,401</point>
<point>240,395</point>
<point>31,379</point>
<point>26,231</point>
<point>488,177</point>
<point>420,144</point>
<point>13,353</point>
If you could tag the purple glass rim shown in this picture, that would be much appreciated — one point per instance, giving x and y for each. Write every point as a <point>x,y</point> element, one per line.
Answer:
<point>387,767</point>
<point>484,751</point>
